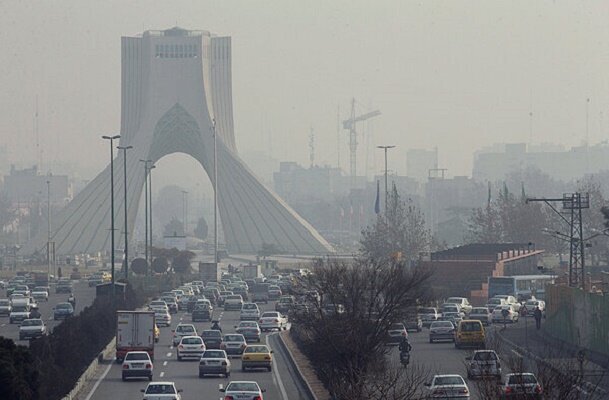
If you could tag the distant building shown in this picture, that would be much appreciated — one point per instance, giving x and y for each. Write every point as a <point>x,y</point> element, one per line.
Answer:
<point>295,183</point>
<point>495,163</point>
<point>464,271</point>
<point>419,162</point>
<point>28,186</point>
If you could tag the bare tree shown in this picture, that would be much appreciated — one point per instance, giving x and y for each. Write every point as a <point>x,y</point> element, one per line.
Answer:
<point>343,331</point>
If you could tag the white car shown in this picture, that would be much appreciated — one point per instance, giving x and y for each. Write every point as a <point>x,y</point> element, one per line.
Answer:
<point>190,347</point>
<point>40,294</point>
<point>214,362</point>
<point>494,303</point>
<point>233,302</point>
<point>137,364</point>
<point>5,307</point>
<point>249,311</point>
<point>482,314</point>
<point>181,331</point>
<point>429,315</point>
<point>512,315</point>
<point>511,300</point>
<point>158,305</point>
<point>162,317</point>
<point>462,302</point>
<point>531,304</point>
<point>31,329</point>
<point>243,390</point>
<point>272,320</point>
<point>448,387</point>
<point>162,391</point>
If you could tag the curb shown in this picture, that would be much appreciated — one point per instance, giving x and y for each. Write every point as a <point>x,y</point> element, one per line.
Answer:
<point>91,370</point>
<point>300,376</point>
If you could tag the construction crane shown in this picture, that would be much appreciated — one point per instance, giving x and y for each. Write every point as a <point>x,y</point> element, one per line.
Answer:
<point>349,124</point>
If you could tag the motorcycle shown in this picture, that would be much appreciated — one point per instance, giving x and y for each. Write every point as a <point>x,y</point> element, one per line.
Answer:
<point>405,358</point>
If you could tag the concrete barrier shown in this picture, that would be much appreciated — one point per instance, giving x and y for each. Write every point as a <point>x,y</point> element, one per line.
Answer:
<point>91,370</point>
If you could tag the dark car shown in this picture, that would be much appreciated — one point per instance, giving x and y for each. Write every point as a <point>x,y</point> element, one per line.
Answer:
<point>63,287</point>
<point>285,304</point>
<point>192,300</point>
<point>212,294</point>
<point>240,290</point>
<point>201,313</point>
<point>63,311</point>
<point>212,339</point>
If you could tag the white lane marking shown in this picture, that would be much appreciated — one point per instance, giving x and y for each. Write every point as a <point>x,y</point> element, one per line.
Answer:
<point>101,378</point>
<point>169,354</point>
<point>276,376</point>
<point>162,374</point>
<point>3,324</point>
<point>164,363</point>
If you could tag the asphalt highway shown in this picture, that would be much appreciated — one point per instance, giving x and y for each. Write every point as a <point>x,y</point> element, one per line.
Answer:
<point>84,297</point>
<point>279,384</point>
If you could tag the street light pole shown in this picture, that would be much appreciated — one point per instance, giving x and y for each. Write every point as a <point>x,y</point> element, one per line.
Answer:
<point>146,208</point>
<point>111,139</point>
<point>48,229</point>
<point>215,193</point>
<point>126,252</point>
<point>150,208</point>
<point>386,189</point>
<point>185,210</point>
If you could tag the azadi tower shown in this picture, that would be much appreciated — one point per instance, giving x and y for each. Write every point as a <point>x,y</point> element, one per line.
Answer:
<point>174,84</point>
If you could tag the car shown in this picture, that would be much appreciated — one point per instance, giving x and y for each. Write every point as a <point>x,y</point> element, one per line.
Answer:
<point>192,302</point>
<point>205,302</point>
<point>19,313</point>
<point>23,289</point>
<point>414,323</point>
<point>441,330</point>
<point>249,311</point>
<point>521,385</point>
<point>234,344</point>
<point>531,304</point>
<point>95,279</point>
<point>214,362</point>
<point>332,309</point>
<point>241,290</point>
<point>62,311</point>
<point>182,330</point>
<point>31,329</point>
<point>158,305</point>
<point>5,307</point>
<point>250,331</point>
<point>40,293</point>
<point>242,390</point>
<point>274,292</point>
<point>511,315</point>
<point>201,312</point>
<point>481,314</point>
<point>162,317</point>
<point>212,339</point>
<point>452,308</point>
<point>171,303</point>
<point>212,294</point>
<point>137,364</point>
<point>470,333</point>
<point>428,315</point>
<point>161,391</point>
<point>396,333</point>
<point>223,295</point>
<point>285,304</point>
<point>452,317</point>
<point>189,347</point>
<point>494,303</point>
<point>448,387</point>
<point>483,363</point>
<point>63,286</point>
<point>233,302</point>
<point>462,302</point>
<point>256,356</point>
<point>272,320</point>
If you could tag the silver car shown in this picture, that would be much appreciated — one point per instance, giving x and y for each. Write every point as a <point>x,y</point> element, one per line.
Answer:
<point>214,362</point>
<point>441,330</point>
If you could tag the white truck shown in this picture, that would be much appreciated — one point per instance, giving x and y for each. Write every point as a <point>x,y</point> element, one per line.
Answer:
<point>252,271</point>
<point>134,332</point>
<point>210,272</point>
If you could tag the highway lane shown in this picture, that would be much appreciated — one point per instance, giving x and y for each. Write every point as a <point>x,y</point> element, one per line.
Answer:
<point>84,297</point>
<point>278,383</point>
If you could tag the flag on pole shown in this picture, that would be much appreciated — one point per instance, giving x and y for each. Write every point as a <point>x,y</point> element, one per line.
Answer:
<point>377,202</point>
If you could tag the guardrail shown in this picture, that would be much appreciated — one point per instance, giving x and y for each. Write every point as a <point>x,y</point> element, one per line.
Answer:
<point>91,370</point>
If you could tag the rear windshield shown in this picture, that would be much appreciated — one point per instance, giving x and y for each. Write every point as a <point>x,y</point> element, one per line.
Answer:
<point>192,340</point>
<point>256,349</point>
<point>471,326</point>
<point>448,380</point>
<point>185,328</point>
<point>154,388</point>
<point>233,338</point>
<point>137,356</point>
<point>211,334</point>
<point>427,311</point>
<point>4,302</point>
<point>521,379</point>
<point>32,322</point>
<point>479,311</point>
<point>397,327</point>
<point>213,354</point>
<point>250,306</point>
<point>234,297</point>
<point>442,324</point>
<point>485,356</point>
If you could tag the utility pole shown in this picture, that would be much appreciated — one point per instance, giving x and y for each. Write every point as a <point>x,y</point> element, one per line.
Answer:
<point>215,193</point>
<point>385,148</point>
<point>48,229</point>
<point>111,139</point>
<point>126,252</point>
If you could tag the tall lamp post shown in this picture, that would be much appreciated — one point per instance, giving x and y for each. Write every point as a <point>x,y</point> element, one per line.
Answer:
<point>146,168</point>
<point>215,193</point>
<point>48,229</point>
<point>150,208</point>
<point>111,139</point>
<point>386,190</point>
<point>185,210</point>
<point>126,252</point>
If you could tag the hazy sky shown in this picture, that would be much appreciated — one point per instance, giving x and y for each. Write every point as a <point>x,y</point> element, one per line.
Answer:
<point>456,74</point>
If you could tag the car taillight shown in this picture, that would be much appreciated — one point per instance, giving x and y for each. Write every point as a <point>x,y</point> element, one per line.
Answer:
<point>243,346</point>
<point>267,357</point>
<point>180,347</point>
<point>498,365</point>
<point>463,391</point>
<point>148,366</point>
<point>246,357</point>
<point>260,321</point>
<point>229,398</point>
<point>439,392</point>
<point>257,398</point>
<point>222,346</point>
<point>202,347</point>
<point>404,334</point>
<point>508,390</point>
<point>125,366</point>
<point>537,389</point>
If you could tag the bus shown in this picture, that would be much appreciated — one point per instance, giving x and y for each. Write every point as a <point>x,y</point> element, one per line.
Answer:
<point>523,287</point>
